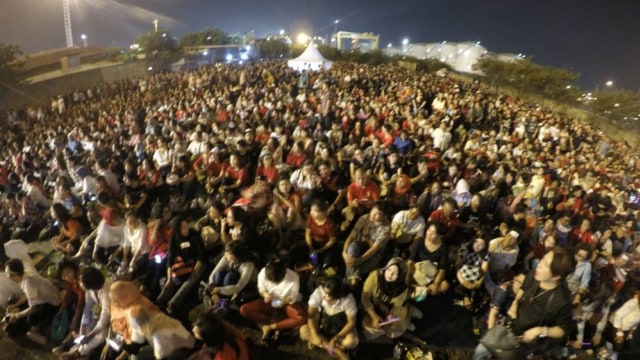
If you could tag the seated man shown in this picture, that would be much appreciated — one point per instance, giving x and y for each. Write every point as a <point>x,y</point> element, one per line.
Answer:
<point>36,306</point>
<point>365,245</point>
<point>406,227</point>
<point>361,196</point>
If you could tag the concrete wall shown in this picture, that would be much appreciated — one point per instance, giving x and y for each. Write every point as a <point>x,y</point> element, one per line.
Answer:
<point>40,92</point>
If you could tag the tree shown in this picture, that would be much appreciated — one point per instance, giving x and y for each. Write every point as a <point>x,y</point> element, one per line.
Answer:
<point>273,49</point>
<point>616,104</point>
<point>157,44</point>
<point>9,66</point>
<point>527,77</point>
<point>205,37</point>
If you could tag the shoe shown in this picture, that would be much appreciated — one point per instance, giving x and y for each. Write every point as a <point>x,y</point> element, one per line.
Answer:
<point>222,306</point>
<point>37,338</point>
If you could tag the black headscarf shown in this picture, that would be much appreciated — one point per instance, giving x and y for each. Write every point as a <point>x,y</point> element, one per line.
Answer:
<point>395,288</point>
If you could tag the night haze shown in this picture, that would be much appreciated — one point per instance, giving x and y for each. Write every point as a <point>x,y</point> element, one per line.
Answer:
<point>598,39</point>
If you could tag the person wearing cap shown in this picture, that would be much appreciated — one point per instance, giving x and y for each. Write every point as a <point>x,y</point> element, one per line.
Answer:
<point>503,254</point>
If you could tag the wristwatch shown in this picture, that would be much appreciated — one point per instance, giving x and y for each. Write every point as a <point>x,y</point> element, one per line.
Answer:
<point>544,333</point>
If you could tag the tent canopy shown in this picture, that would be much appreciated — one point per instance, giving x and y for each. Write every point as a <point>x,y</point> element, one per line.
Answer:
<point>310,59</point>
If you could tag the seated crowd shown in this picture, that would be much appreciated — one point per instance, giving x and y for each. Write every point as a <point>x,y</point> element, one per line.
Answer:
<point>333,209</point>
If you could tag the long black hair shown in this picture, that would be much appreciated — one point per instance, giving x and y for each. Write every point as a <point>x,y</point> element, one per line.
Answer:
<point>214,333</point>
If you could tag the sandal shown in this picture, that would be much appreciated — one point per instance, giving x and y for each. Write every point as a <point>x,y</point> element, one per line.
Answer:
<point>267,336</point>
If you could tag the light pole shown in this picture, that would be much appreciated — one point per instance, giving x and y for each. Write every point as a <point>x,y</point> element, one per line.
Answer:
<point>84,39</point>
<point>335,32</point>
<point>66,13</point>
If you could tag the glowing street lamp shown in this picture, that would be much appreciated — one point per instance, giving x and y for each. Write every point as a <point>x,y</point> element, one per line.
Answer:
<point>281,32</point>
<point>609,83</point>
<point>303,38</point>
<point>84,39</point>
<point>405,42</point>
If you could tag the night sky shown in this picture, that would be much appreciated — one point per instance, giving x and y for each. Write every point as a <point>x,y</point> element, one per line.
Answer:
<point>600,39</point>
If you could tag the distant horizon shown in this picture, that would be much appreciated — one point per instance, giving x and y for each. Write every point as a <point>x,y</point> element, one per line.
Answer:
<point>597,39</point>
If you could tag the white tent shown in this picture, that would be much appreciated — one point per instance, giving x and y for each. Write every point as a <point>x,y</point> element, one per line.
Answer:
<point>310,59</point>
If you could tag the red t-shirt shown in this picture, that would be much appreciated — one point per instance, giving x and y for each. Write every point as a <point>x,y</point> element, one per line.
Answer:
<point>296,160</point>
<point>321,233</point>
<point>271,174</point>
<point>237,174</point>
<point>369,193</point>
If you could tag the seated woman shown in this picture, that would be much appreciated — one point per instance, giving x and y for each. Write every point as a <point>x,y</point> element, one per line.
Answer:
<point>73,294</point>
<point>280,307</point>
<point>68,241</point>
<point>219,340</point>
<point>184,265</point>
<point>472,265</point>
<point>435,253</point>
<point>95,317</point>
<point>158,233</point>
<point>384,300</point>
<point>331,323</point>
<point>232,274</point>
<point>107,238</point>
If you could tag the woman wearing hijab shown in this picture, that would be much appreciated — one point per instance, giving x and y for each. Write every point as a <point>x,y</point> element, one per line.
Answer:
<point>383,299</point>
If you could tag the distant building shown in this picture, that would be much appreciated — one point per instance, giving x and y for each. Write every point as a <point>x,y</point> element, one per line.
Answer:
<point>460,56</point>
<point>346,40</point>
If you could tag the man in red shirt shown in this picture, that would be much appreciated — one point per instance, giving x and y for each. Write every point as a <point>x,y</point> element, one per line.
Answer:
<point>361,196</point>
<point>447,217</point>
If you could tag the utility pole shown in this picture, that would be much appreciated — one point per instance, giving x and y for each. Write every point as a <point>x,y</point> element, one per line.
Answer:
<point>66,12</point>
<point>155,23</point>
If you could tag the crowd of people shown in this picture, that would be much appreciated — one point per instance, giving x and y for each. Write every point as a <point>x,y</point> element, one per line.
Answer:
<point>329,206</point>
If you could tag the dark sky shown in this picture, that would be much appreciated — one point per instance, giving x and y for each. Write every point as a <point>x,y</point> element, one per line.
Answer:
<point>600,39</point>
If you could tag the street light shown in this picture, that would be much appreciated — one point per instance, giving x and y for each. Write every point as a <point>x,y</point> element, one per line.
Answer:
<point>405,42</point>
<point>84,39</point>
<point>609,83</point>
<point>302,38</point>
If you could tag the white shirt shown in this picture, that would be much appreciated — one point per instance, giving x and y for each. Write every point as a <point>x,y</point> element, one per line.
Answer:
<point>162,157</point>
<point>37,196</point>
<point>347,304</point>
<point>136,238</point>
<point>109,235</point>
<point>97,301</point>
<point>413,227</point>
<point>163,333</point>
<point>111,179</point>
<point>39,290</point>
<point>627,317</point>
<point>501,259</point>
<point>288,287</point>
